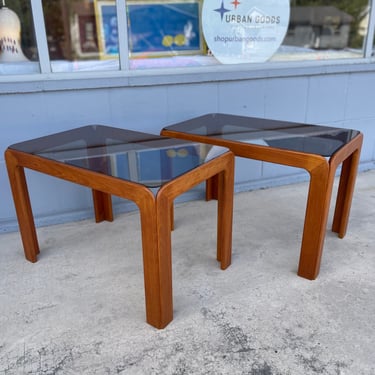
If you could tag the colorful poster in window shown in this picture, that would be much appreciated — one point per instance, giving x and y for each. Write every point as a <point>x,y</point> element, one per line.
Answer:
<point>155,28</point>
<point>243,31</point>
<point>164,27</point>
<point>106,18</point>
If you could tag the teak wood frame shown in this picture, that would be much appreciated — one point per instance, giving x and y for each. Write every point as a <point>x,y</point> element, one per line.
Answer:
<point>322,174</point>
<point>155,212</point>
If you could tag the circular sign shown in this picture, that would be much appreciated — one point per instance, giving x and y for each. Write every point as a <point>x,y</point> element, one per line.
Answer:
<point>243,31</point>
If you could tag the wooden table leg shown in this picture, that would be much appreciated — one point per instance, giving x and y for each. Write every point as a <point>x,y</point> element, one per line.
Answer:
<point>156,233</point>
<point>225,216</point>
<point>315,222</point>
<point>221,173</point>
<point>212,188</point>
<point>157,264</point>
<point>172,216</point>
<point>345,193</point>
<point>102,206</point>
<point>23,207</point>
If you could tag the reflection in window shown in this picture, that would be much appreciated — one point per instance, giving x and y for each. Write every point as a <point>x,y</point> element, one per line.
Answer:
<point>318,30</point>
<point>321,29</point>
<point>82,35</point>
<point>17,41</point>
<point>76,38</point>
<point>169,31</point>
<point>106,20</point>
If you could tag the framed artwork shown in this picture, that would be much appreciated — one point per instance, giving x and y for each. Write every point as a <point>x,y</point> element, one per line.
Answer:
<point>87,33</point>
<point>155,28</point>
<point>164,28</point>
<point>106,26</point>
<point>83,36</point>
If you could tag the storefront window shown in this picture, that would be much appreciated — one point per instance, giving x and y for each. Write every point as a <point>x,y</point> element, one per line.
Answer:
<point>18,52</point>
<point>81,35</point>
<point>165,33</point>
<point>321,29</point>
<point>316,30</point>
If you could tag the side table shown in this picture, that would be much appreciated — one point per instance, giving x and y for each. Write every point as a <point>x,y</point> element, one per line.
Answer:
<point>131,165</point>
<point>317,149</point>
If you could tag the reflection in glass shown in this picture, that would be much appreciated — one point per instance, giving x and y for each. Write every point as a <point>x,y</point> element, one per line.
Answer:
<point>107,28</point>
<point>82,35</point>
<point>134,156</point>
<point>76,35</point>
<point>314,139</point>
<point>17,39</point>
<point>321,29</point>
<point>165,34</point>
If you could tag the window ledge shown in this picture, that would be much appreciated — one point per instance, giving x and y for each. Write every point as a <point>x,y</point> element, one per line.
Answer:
<point>13,84</point>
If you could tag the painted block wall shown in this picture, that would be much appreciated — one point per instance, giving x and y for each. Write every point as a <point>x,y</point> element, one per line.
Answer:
<point>340,99</point>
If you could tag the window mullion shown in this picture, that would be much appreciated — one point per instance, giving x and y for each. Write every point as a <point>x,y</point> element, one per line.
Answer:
<point>41,36</point>
<point>122,34</point>
<point>370,31</point>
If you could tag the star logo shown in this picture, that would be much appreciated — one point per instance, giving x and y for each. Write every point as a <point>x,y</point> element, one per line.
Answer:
<point>222,10</point>
<point>236,3</point>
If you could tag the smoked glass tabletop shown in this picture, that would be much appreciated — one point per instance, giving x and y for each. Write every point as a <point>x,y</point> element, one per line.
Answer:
<point>292,136</point>
<point>148,159</point>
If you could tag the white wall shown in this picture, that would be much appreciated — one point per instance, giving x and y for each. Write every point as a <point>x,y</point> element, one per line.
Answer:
<point>338,99</point>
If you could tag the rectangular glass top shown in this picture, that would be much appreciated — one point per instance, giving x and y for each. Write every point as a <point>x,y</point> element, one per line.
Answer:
<point>144,158</point>
<point>312,139</point>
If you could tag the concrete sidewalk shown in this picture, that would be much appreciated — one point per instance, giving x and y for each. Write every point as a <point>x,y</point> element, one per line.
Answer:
<point>80,308</point>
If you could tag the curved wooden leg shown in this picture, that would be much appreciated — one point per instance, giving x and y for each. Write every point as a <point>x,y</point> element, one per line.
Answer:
<point>315,222</point>
<point>23,207</point>
<point>345,193</point>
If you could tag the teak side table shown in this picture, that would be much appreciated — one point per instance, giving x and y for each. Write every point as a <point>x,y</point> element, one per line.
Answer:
<point>317,149</point>
<point>128,164</point>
